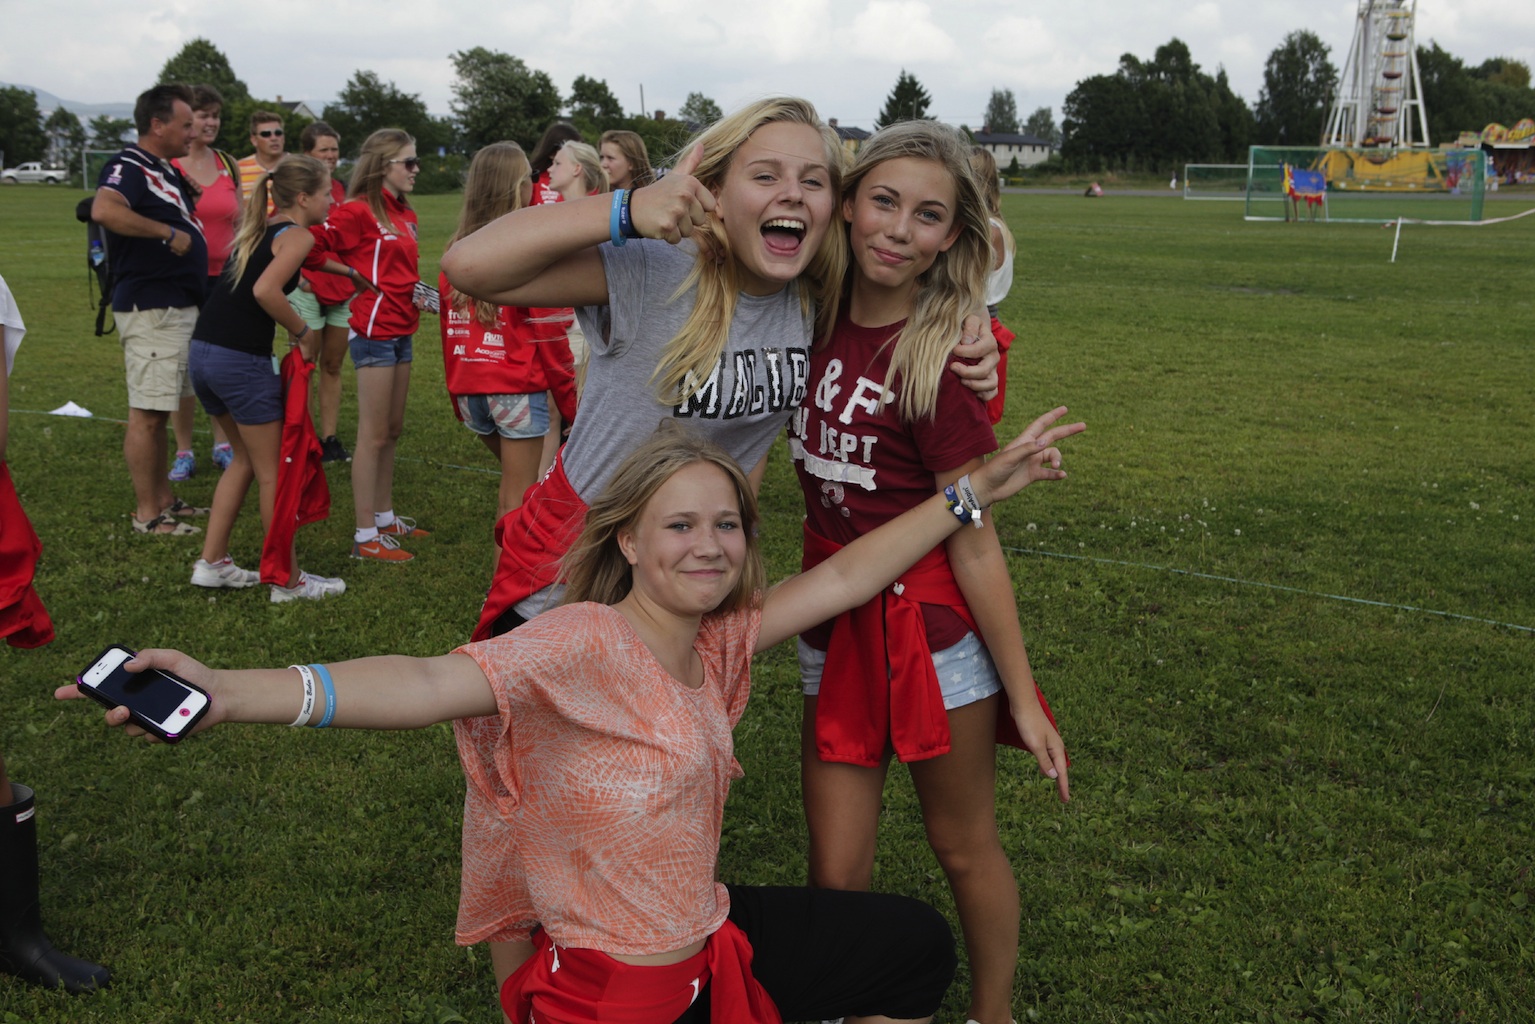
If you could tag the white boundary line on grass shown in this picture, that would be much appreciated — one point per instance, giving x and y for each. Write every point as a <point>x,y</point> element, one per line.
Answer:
<point>1061,554</point>
<point>1267,586</point>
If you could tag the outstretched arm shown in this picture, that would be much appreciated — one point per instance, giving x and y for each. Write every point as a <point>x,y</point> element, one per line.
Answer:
<point>980,569</point>
<point>546,255</point>
<point>872,562</point>
<point>390,692</point>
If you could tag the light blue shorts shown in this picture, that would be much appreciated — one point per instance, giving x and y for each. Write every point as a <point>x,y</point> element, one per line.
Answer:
<point>965,672</point>
<point>514,417</point>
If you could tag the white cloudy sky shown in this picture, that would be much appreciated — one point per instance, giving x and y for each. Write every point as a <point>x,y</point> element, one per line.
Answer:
<point>842,54</point>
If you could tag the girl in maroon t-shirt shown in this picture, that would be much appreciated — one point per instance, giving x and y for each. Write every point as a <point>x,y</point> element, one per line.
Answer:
<point>882,423</point>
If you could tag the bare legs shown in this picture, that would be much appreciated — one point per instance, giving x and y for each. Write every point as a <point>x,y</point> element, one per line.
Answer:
<point>144,451</point>
<point>381,394</point>
<point>520,467</point>
<point>256,455</point>
<point>957,793</point>
<point>332,354</point>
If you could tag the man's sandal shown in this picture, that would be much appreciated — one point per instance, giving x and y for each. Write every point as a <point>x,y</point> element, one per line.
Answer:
<point>183,510</point>
<point>154,525</point>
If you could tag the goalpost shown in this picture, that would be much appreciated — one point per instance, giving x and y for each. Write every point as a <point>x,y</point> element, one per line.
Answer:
<point>1373,185</point>
<point>1215,181</point>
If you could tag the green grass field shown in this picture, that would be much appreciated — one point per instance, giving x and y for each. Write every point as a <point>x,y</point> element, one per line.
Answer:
<point>1283,608</point>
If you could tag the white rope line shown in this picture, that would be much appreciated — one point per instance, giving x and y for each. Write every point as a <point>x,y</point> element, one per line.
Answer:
<point>1269,586</point>
<point>1465,223</point>
<point>1058,554</point>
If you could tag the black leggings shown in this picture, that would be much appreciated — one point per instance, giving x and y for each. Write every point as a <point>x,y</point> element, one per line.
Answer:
<point>823,953</point>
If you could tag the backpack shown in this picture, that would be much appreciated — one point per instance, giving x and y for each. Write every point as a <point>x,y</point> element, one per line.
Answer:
<point>99,243</point>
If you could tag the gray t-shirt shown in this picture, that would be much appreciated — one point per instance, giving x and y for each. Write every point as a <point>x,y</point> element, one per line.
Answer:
<point>759,382</point>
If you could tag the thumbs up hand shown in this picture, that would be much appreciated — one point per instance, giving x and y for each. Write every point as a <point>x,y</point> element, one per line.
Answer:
<point>673,207</point>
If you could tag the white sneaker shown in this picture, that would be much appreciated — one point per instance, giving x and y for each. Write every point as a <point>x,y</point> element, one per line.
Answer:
<point>310,588</point>
<point>223,573</point>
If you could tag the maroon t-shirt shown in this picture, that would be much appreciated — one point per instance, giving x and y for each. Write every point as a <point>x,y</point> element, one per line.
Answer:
<point>861,465</point>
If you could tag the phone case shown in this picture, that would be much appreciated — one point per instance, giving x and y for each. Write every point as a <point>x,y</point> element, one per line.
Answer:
<point>142,721</point>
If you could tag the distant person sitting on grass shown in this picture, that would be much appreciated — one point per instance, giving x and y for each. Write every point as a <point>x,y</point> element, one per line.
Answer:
<point>615,751</point>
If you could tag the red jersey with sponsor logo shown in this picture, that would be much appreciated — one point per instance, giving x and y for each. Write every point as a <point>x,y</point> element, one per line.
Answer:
<point>384,254</point>
<point>516,355</point>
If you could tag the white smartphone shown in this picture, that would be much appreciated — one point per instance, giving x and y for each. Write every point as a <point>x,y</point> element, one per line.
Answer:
<point>160,702</point>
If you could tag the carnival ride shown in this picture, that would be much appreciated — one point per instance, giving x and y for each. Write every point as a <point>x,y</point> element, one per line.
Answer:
<point>1380,99</point>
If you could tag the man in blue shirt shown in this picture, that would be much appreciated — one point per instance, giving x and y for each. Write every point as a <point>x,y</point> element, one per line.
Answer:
<point>160,267</point>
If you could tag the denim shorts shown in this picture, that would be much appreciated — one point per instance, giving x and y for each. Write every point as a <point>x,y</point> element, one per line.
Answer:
<point>514,417</point>
<point>244,386</point>
<point>318,317</point>
<point>965,672</point>
<point>388,352</point>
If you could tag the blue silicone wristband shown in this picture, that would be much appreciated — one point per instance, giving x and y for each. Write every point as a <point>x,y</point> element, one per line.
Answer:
<point>625,220</point>
<point>330,695</point>
<point>615,218</point>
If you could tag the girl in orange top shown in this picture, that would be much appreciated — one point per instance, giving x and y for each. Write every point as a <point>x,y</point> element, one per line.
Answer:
<point>616,712</point>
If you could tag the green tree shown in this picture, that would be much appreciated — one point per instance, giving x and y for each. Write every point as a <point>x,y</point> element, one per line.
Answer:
<point>21,126</point>
<point>367,104</point>
<point>1505,71</point>
<point>908,101</point>
<point>199,62</point>
<point>593,107</point>
<point>1101,122</point>
<point>1002,112</point>
<point>497,97</point>
<point>107,132</point>
<point>66,137</point>
<point>663,139</point>
<point>1041,124</point>
<point>700,110</point>
<point>1298,85</point>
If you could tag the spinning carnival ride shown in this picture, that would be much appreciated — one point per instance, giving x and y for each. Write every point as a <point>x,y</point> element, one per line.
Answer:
<point>1380,99</point>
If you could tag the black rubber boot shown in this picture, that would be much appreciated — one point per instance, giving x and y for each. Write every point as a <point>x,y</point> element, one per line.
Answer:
<point>24,950</point>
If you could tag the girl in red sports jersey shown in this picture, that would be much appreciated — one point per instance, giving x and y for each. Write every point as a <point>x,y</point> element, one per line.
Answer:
<point>374,232</point>
<point>502,362</point>
<point>883,424</point>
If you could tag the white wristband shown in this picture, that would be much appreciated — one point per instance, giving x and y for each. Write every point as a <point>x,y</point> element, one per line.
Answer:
<point>968,497</point>
<point>308,709</point>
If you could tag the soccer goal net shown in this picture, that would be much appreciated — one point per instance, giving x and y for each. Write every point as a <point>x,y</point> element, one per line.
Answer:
<point>1215,181</point>
<point>1372,186</point>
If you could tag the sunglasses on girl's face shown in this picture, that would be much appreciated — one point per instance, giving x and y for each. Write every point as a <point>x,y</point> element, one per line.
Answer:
<point>412,163</point>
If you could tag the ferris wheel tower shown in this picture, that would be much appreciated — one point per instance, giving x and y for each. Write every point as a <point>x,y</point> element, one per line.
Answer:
<point>1380,98</point>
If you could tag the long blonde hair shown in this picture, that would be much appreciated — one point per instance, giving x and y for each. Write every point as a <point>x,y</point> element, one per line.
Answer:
<point>367,181</point>
<point>595,568</point>
<point>632,146</point>
<point>294,175</point>
<point>953,286</point>
<point>497,176</point>
<point>689,359</point>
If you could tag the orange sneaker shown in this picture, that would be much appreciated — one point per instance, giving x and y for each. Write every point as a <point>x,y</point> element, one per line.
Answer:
<point>403,526</point>
<point>382,548</point>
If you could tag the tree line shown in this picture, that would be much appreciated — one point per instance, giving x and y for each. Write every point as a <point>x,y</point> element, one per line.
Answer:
<point>1148,115</point>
